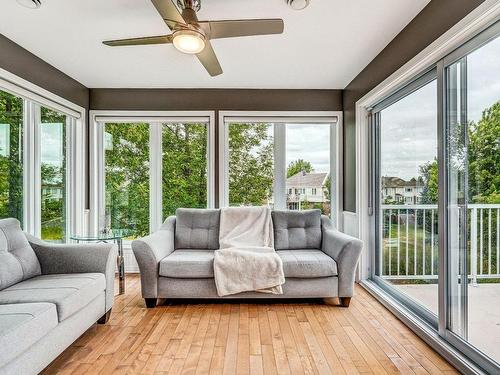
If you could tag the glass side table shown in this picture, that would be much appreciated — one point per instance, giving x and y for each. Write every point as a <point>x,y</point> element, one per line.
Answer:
<point>115,236</point>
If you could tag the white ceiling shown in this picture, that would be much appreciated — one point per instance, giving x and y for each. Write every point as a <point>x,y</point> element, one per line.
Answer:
<point>323,47</point>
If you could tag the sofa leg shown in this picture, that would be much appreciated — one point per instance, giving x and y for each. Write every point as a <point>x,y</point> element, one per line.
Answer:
<point>330,301</point>
<point>104,319</point>
<point>150,302</point>
<point>345,301</point>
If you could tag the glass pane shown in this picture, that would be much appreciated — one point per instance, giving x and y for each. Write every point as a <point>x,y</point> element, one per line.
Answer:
<point>408,251</point>
<point>184,181</point>
<point>11,156</point>
<point>53,174</point>
<point>251,164</point>
<point>127,177</point>
<point>474,197</point>
<point>308,182</point>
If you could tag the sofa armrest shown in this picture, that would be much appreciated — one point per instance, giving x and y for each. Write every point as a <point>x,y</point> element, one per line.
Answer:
<point>149,251</point>
<point>78,258</point>
<point>345,250</point>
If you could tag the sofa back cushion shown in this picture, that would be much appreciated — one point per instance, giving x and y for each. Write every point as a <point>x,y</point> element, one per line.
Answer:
<point>197,228</point>
<point>18,261</point>
<point>297,229</point>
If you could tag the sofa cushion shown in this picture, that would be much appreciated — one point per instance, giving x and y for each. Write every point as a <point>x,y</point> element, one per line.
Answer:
<point>18,261</point>
<point>307,263</point>
<point>69,292</point>
<point>197,228</point>
<point>188,264</point>
<point>22,325</point>
<point>297,229</point>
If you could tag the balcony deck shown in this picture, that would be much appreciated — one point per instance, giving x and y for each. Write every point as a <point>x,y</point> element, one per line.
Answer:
<point>484,312</point>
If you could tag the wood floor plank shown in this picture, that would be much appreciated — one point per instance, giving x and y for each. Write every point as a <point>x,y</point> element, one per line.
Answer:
<point>248,338</point>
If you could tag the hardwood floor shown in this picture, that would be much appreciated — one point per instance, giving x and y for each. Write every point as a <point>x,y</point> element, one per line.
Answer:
<point>301,338</point>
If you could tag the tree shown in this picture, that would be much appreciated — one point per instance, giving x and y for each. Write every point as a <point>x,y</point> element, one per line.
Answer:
<point>429,178</point>
<point>11,166</point>
<point>297,166</point>
<point>484,157</point>
<point>251,164</point>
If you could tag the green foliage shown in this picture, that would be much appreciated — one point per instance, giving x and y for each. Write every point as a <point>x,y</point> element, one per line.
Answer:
<point>429,177</point>
<point>184,167</point>
<point>11,165</point>
<point>297,166</point>
<point>251,164</point>
<point>484,157</point>
<point>127,177</point>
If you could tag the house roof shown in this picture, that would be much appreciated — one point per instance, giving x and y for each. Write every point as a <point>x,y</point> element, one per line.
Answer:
<point>398,182</point>
<point>304,179</point>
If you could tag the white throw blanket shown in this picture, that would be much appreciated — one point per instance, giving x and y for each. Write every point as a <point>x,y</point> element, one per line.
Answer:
<point>246,260</point>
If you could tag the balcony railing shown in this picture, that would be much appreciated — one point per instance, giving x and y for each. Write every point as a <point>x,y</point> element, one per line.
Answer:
<point>410,242</point>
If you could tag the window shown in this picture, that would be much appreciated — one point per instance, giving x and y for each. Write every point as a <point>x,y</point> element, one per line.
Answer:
<point>38,139</point>
<point>53,174</point>
<point>150,166</point>
<point>251,164</point>
<point>11,156</point>
<point>184,166</point>
<point>282,162</point>
<point>127,177</point>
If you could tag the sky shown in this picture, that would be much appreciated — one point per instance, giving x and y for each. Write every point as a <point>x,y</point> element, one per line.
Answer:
<point>52,144</point>
<point>408,127</point>
<point>310,142</point>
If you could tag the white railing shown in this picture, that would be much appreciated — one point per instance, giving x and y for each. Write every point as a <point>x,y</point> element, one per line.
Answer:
<point>410,241</point>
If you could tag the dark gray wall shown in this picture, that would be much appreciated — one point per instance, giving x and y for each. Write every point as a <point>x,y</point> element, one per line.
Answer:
<point>24,64</point>
<point>434,20</point>
<point>215,100</point>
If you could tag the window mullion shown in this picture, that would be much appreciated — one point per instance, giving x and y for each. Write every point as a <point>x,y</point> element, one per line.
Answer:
<point>155,179</point>
<point>280,166</point>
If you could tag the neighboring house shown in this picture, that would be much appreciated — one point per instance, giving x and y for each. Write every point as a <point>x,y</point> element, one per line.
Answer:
<point>306,187</point>
<point>52,192</point>
<point>395,190</point>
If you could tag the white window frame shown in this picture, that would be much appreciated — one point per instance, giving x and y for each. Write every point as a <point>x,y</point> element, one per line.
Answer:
<point>35,97</point>
<point>334,118</point>
<point>476,21</point>
<point>154,119</point>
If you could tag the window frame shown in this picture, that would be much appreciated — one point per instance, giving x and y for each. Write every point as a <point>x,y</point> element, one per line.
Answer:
<point>278,119</point>
<point>34,97</point>
<point>155,119</point>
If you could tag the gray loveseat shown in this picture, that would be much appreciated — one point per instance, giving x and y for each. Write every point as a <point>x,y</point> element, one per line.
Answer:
<point>177,260</point>
<point>49,295</point>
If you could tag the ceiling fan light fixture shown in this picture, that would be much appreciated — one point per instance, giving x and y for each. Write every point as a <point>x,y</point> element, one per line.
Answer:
<point>189,41</point>
<point>298,4</point>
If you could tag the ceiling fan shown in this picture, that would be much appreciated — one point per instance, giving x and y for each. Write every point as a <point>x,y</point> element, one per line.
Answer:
<point>193,37</point>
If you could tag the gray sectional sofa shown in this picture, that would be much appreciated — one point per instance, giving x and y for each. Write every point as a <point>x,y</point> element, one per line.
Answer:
<point>177,260</point>
<point>49,295</point>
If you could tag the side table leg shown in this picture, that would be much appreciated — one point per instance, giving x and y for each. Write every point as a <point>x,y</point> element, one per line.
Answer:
<point>121,267</point>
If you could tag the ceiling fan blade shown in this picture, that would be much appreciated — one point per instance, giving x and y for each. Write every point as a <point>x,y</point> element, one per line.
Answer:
<point>236,28</point>
<point>160,39</point>
<point>209,60</point>
<point>169,12</point>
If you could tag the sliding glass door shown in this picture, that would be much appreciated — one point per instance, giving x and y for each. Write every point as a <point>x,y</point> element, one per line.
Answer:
<point>436,192</point>
<point>472,199</point>
<point>406,148</point>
